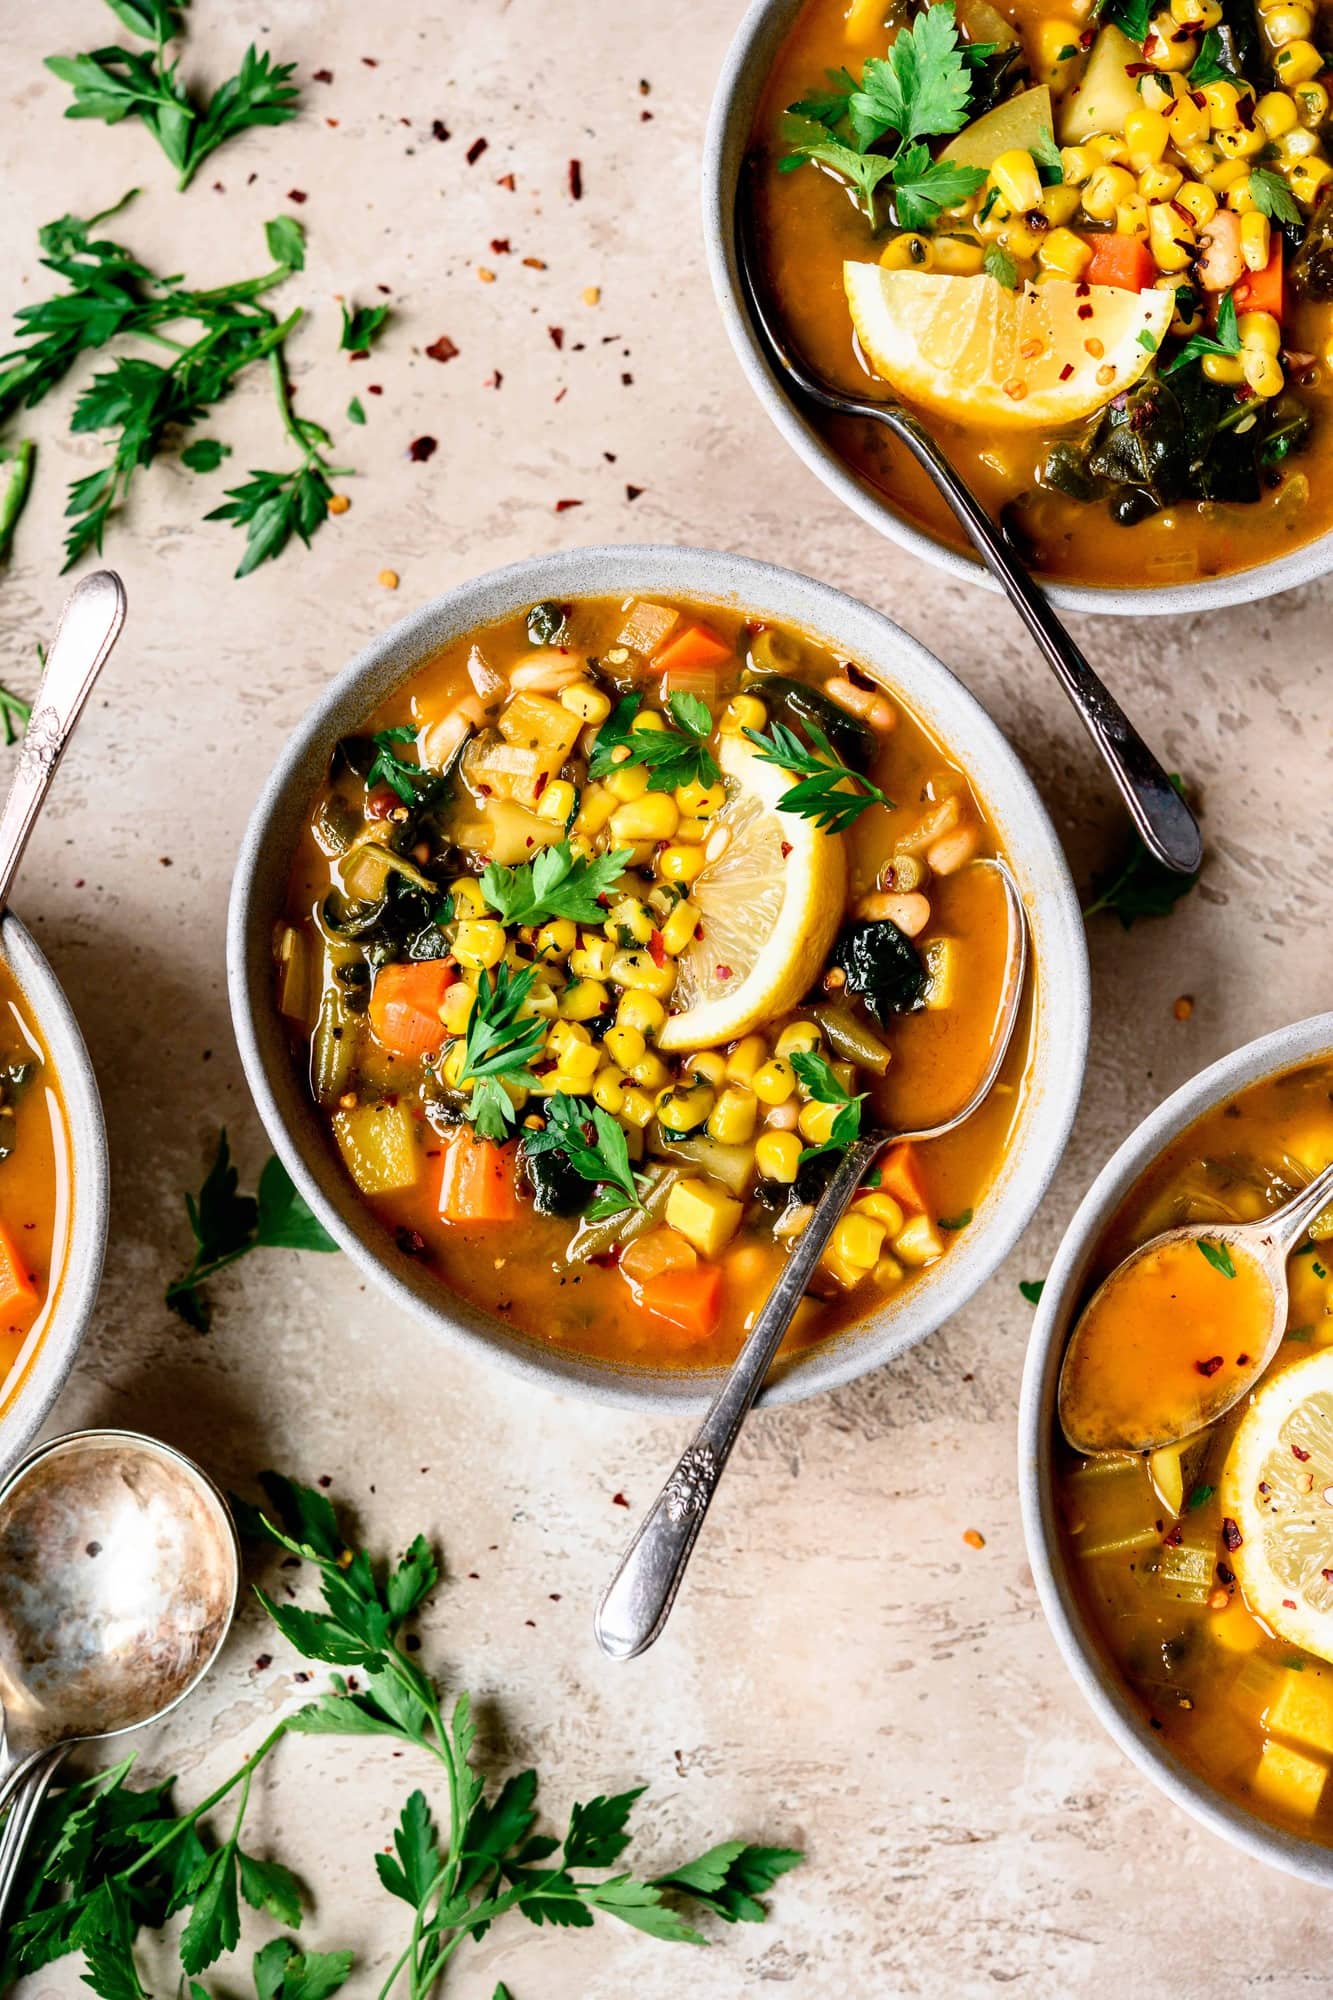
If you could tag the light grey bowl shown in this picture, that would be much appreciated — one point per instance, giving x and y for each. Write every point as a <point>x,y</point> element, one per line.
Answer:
<point>1110,1701</point>
<point>740,87</point>
<point>945,706</point>
<point>29,1396</point>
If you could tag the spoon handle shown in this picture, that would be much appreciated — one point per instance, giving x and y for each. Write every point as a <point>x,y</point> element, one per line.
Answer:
<point>89,627</point>
<point>1290,1223</point>
<point>1168,828</point>
<point>26,1787</point>
<point>639,1597</point>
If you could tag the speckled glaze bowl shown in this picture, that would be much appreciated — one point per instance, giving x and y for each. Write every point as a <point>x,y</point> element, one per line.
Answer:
<point>40,1374</point>
<point>1059,953</point>
<point>736,101</point>
<point>1097,1678</point>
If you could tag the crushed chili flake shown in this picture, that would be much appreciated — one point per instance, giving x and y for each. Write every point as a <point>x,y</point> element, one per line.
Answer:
<point>507,181</point>
<point>475,151</point>
<point>575,181</point>
<point>371,62</point>
<point>974,1538</point>
<point>1231,1536</point>
<point>724,972</point>
<point>786,849</point>
<point>500,246</point>
<point>1210,1366</point>
<point>297,195</point>
<point>633,492</point>
<point>323,76</point>
<point>557,334</point>
<point>619,1500</point>
<point>535,263</point>
<point>421,449</point>
<point>1085,312</point>
<point>1327,1575</point>
<point>1225,1573</point>
<point>627,381</point>
<point>563,506</point>
<point>493,380</point>
<point>374,388</point>
<point>442,349</point>
<point>1173,1537</point>
<point>1183,1007</point>
<point>1066,371</point>
<point>657,948</point>
<point>438,129</point>
<point>1296,1452</point>
<point>1288,1604</point>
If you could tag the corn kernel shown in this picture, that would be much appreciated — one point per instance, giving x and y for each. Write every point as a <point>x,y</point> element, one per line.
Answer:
<point>1108,187</point>
<point>1056,44</point>
<point>542,1001</point>
<point>641,1011</point>
<point>679,928</point>
<point>1307,177</point>
<point>957,256</point>
<point>650,1072</point>
<point>451,1069</point>
<point>858,1240</point>
<point>774,1082</point>
<point>637,1109</point>
<point>1078,164</point>
<point>1160,183</point>
<point>625,1045</point>
<point>1288,23</point>
<point>653,817</point>
<point>630,915</point>
<point>626,782</point>
<point>699,801</point>
<point>918,1242</point>
<point>1188,121</point>
<point>802,1035</point>
<point>581,698</point>
<point>1131,217</point>
<point>742,712</point>
<point>1200,157</point>
<point>584,1000</point>
<point>777,1156</point>
<point>1241,142</point>
<point>882,1207</point>
<point>1060,204</point>
<point>1259,331</point>
<point>1255,239</point>
<point>1169,46</point>
<point>1020,239</point>
<point>705,1215</point>
<point>636,969</point>
<point>456,1007</point>
<point>908,252</point>
<point>1299,62</point>
<point>557,801</point>
<point>1198,201</point>
<point>1312,104</point>
<point>608,1088</point>
<point>594,957</point>
<point>577,1067</point>
<point>567,1035</point>
<point>556,939</point>
<point>733,1117</point>
<point>595,809</point>
<point>706,1066</point>
<point>1224,368</point>
<point>888,1271</point>
<point>479,944</point>
<point>1300,144</point>
<point>1226,175</point>
<point>1221,98</point>
<point>1146,137</point>
<point>1170,238</point>
<point>1064,254</point>
<point>681,864</point>
<point>684,1110</point>
<point>1014,173</point>
<point>1109,148</point>
<point>746,1058</point>
<point>468,899</point>
<point>1276,112</point>
<point>1263,373</point>
<point>817,1120</point>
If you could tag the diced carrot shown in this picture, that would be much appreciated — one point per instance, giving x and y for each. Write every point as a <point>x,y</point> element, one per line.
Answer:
<point>1261,291</point>
<point>405,1006</point>
<point>17,1289</point>
<point>477,1181</point>
<point>690,1300</point>
<point>697,646</point>
<point>1120,260</point>
<point>659,1250</point>
<point>900,1176</point>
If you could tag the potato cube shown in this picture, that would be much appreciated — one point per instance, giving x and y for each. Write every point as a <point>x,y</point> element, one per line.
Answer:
<point>646,625</point>
<point>1303,1710</point>
<point>704,1215</point>
<point>941,956</point>
<point>1285,1778</point>
<point>378,1145</point>
<point>534,722</point>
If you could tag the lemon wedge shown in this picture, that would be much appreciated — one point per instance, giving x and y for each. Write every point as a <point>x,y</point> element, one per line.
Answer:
<point>1277,1491</point>
<point>769,901</point>
<point>971,349</point>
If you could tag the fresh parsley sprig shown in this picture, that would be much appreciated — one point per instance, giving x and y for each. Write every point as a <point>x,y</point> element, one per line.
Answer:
<point>816,1074</point>
<point>1226,340</point>
<point>274,506</point>
<point>594,1144</point>
<point>117,83</point>
<point>18,458</point>
<point>672,757</point>
<point>227,1225</point>
<point>822,793</point>
<point>498,1048</point>
<point>388,768</point>
<point>555,883</point>
<point>1271,195</point>
<point>361,325</point>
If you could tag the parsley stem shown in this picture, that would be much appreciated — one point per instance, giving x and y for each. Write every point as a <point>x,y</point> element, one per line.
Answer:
<point>278,371</point>
<point>15,495</point>
<point>199,1274</point>
<point>179,1826</point>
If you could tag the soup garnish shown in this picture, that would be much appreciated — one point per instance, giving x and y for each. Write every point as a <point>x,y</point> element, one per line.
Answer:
<point>606,936</point>
<point>34,1181</point>
<point>1206,1568</point>
<point>1097,256</point>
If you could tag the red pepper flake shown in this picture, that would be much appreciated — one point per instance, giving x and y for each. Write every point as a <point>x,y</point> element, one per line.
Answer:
<point>499,246</point>
<point>698,933</point>
<point>493,380</point>
<point>297,195</point>
<point>535,263</point>
<point>1085,312</point>
<point>371,62</point>
<point>1173,1537</point>
<point>619,1500</point>
<point>633,492</point>
<point>557,334</point>
<point>475,151</point>
<point>323,76</point>
<point>442,349</point>
<point>1225,1574</point>
<point>507,181</point>
<point>1210,1366</point>
<point>1288,1604</point>
<point>1231,1537</point>
<point>724,972</point>
<point>1241,1360</point>
<point>657,948</point>
<point>786,849</point>
<point>1327,1575</point>
<point>563,506</point>
<point>438,129</point>
<point>1066,371</point>
<point>575,181</point>
<point>421,449</point>
<point>374,388</point>
<point>1296,1452</point>
<point>627,381</point>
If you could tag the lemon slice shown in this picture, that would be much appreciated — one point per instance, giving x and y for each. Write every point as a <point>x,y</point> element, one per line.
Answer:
<point>768,905</point>
<point>971,349</point>
<point>1277,1488</point>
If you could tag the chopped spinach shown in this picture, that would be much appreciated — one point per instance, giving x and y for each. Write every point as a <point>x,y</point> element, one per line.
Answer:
<point>884,969</point>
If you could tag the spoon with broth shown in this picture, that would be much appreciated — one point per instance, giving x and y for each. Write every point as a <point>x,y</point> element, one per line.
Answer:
<point>1183,1329</point>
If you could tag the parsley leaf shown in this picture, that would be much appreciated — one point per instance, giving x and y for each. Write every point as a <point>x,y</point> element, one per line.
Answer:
<point>1211,65</point>
<point>819,1079</point>
<point>356,411</point>
<point>1218,1255</point>
<point>922,186</point>
<point>205,455</point>
<point>556,883</point>
<point>865,171</point>
<point>1046,154</point>
<point>1199,1497</point>
<point>822,794</point>
<point>18,457</point>
<point>1032,1289</point>
<point>921,88</point>
<point>827,107</point>
<point>1271,195</point>
<point>1139,885</point>
<point>673,757</point>
<point>594,1144</point>
<point>116,83</point>
<point>360,327</point>
<point>498,1047</point>
<point>408,780</point>
<point>1132,17</point>
<point>228,1224</point>
<point>998,264</point>
<point>1226,340</point>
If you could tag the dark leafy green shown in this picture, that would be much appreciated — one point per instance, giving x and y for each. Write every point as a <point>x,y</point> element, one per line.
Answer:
<point>594,1144</point>
<point>1138,885</point>
<point>228,1225</point>
<point>361,326</point>
<point>884,969</point>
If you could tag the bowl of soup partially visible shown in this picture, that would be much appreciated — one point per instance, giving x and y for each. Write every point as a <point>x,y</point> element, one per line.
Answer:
<point>1191,1587</point>
<point>583,923</point>
<point>54,1183</point>
<point>1093,254</point>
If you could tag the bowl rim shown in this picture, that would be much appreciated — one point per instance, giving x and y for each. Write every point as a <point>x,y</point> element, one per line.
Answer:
<point>24,1409</point>
<point>740,83</point>
<point>730,581</point>
<point>1266,1056</point>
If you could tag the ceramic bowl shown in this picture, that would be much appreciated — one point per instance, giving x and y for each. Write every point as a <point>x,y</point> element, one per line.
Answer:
<point>1109,1699</point>
<point>1060,954</point>
<point>736,101</point>
<point>47,1357</point>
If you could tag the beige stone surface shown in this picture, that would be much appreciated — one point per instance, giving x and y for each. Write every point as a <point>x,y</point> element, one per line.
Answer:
<point>843,1671</point>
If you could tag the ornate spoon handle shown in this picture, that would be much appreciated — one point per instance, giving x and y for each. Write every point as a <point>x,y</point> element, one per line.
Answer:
<point>89,627</point>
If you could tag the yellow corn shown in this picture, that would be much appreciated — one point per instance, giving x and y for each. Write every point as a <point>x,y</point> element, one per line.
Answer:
<point>624,1045</point>
<point>457,1005</point>
<point>918,1241</point>
<point>1170,238</point>
<point>451,1069</point>
<point>888,1271</point>
<point>1020,239</point>
<point>479,944</point>
<point>774,1082</point>
<point>1168,45</point>
<point>629,914</point>
<point>468,899</point>
<point>1312,104</point>
<point>1199,202</point>
<point>1255,240</point>
<point>1288,23</point>
<point>1226,175</point>
<point>1225,368</point>
<point>699,801</point>
<point>1014,173</point>
<point>777,1156</point>
<point>626,782</point>
<point>908,252</point>
<point>732,1120</point>
<point>678,929</point>
<point>593,958</point>
<point>858,1240</point>
<point>1078,164</point>
<point>1060,204</point>
<point>581,698</point>
<point>1263,373</point>
<point>1276,112</point>
<point>1306,177</point>
<point>655,816</point>
<point>557,801</point>
<point>636,1109</point>
<point>566,1035</point>
<point>1064,254</point>
<point>882,1207</point>
<point>817,1120</point>
<point>1108,187</point>
<point>746,1058</point>
<point>1200,157</point>
<point>636,969</point>
<point>1160,183</point>
<point>1222,97</point>
<point>595,809</point>
<point>556,939</point>
<point>642,1011</point>
<point>1146,136</point>
<point>1131,217</point>
<point>743,711</point>
<point>957,256</point>
<point>1298,144</point>
<point>680,1110</point>
<point>1055,44</point>
<point>803,1035</point>
<point>1188,121</point>
<point>681,864</point>
<point>584,1000</point>
<point>650,1072</point>
<point>1299,62</point>
<point>1241,142</point>
<point>608,1088</point>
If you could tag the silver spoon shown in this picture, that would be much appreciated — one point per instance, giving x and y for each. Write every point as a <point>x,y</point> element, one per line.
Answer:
<point>639,1598</point>
<point>89,627</point>
<point>119,1572</point>
<point>1168,828</point>
<point>1203,1387</point>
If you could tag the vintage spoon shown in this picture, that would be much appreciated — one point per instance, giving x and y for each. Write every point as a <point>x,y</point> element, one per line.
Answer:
<point>1168,828</point>
<point>638,1600</point>
<point>119,1573</point>
<point>89,627</point>
<point>1150,1362</point>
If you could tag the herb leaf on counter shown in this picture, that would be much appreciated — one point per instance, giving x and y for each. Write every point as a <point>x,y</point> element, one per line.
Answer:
<point>672,757</point>
<point>556,883</point>
<point>360,326</point>
<point>18,459</point>
<point>594,1144</point>
<point>228,1224</point>
<point>115,83</point>
<point>1140,886</point>
<point>822,794</point>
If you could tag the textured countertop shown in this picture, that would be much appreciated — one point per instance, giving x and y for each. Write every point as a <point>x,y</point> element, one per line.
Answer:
<point>844,1672</point>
